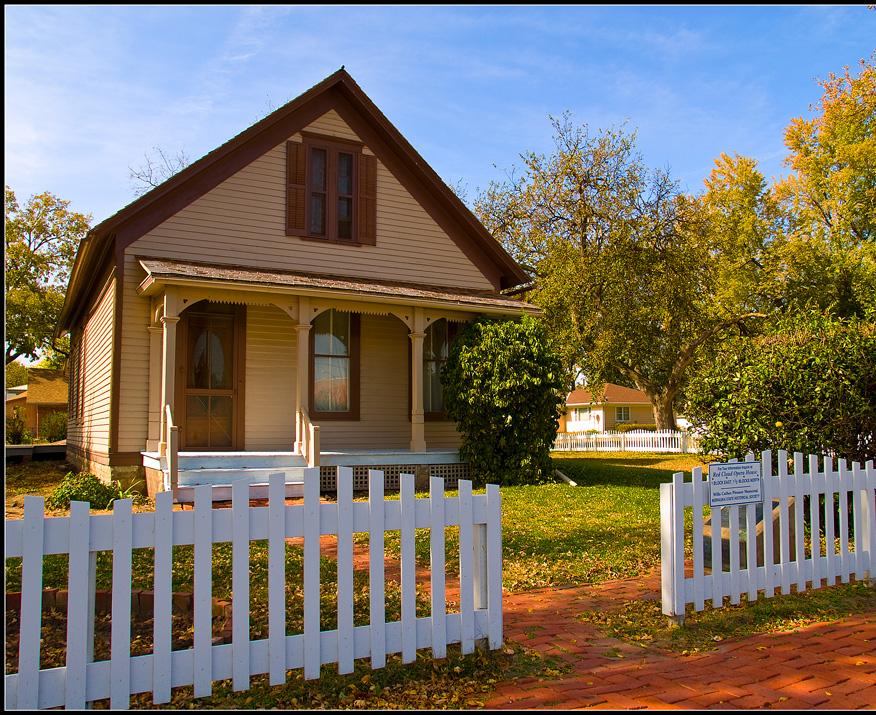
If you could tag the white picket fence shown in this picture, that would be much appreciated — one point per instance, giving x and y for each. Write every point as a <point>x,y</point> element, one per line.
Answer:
<point>639,441</point>
<point>81,535</point>
<point>843,555</point>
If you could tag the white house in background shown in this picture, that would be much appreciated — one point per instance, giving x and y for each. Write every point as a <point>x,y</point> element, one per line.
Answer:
<point>619,405</point>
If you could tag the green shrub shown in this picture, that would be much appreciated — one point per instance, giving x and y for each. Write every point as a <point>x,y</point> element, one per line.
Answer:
<point>85,486</point>
<point>53,427</point>
<point>504,387</point>
<point>807,385</point>
<point>16,430</point>
<point>630,426</point>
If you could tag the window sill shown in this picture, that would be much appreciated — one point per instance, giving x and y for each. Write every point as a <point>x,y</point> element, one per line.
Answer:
<point>336,241</point>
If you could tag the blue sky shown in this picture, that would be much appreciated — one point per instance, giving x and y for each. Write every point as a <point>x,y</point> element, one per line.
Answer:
<point>89,90</point>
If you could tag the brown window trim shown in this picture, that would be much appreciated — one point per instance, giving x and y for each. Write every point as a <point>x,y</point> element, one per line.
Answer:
<point>351,415</point>
<point>332,146</point>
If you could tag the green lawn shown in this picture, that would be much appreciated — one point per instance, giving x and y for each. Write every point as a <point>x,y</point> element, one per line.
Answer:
<point>607,527</point>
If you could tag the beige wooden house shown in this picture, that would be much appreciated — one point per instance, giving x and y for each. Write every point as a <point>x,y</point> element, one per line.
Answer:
<point>287,300</point>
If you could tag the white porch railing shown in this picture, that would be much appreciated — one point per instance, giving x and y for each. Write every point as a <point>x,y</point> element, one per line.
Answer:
<point>640,441</point>
<point>171,451</point>
<point>309,438</point>
<point>81,535</point>
<point>756,563</point>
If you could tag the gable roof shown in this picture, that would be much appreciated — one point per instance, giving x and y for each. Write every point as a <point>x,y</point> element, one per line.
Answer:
<point>614,394</point>
<point>46,386</point>
<point>339,92</point>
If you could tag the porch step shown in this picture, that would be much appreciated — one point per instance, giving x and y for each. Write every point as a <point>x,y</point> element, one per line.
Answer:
<point>277,461</point>
<point>194,477</point>
<point>222,492</point>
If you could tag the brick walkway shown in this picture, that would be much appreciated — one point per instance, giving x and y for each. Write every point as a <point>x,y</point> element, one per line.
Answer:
<point>827,665</point>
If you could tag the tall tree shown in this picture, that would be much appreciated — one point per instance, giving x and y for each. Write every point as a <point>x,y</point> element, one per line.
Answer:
<point>828,253</point>
<point>623,262</point>
<point>41,241</point>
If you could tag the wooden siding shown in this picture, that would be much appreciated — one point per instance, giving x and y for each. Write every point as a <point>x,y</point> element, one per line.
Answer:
<point>270,379</point>
<point>242,222</point>
<point>94,370</point>
<point>640,414</point>
<point>135,377</point>
<point>442,435</point>
<point>383,417</point>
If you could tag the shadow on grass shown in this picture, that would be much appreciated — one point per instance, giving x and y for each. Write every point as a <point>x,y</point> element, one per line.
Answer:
<point>633,472</point>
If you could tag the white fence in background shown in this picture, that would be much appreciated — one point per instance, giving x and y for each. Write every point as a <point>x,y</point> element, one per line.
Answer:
<point>753,567</point>
<point>639,441</point>
<point>81,535</point>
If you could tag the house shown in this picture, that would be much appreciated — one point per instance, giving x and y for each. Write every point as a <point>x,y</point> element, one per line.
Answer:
<point>619,405</point>
<point>285,301</point>
<point>44,394</point>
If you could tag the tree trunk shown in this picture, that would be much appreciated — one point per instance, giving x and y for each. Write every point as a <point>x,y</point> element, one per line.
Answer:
<point>664,412</point>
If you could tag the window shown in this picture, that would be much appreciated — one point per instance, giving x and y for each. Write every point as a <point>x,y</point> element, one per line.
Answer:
<point>331,191</point>
<point>622,414</point>
<point>334,381</point>
<point>580,414</point>
<point>436,349</point>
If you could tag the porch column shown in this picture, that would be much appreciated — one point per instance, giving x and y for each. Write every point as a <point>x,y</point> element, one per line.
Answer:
<point>302,371</point>
<point>168,360</point>
<point>154,436</point>
<point>418,431</point>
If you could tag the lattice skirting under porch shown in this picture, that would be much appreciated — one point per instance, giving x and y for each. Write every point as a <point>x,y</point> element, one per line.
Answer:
<point>450,473</point>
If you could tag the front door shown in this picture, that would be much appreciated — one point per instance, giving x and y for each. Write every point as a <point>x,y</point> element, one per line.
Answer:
<point>210,377</point>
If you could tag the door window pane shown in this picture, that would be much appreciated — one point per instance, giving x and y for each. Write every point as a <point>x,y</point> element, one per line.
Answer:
<point>221,417</point>
<point>197,421</point>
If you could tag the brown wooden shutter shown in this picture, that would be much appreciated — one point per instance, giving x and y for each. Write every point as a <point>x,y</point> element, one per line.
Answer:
<point>296,189</point>
<point>368,199</point>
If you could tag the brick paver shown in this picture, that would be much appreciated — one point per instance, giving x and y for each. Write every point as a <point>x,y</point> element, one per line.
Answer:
<point>825,665</point>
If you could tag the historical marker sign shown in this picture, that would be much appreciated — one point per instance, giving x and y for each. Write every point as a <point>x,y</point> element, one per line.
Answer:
<point>735,483</point>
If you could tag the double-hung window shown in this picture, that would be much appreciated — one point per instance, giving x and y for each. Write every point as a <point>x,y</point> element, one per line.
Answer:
<point>622,414</point>
<point>331,188</point>
<point>436,349</point>
<point>334,385</point>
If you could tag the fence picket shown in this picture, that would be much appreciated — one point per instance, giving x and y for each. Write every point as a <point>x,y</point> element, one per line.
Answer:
<point>240,584</point>
<point>202,517</point>
<point>277,577</point>
<point>751,550</point>
<point>784,538</point>
<point>376,566</point>
<point>436,536</point>
<point>494,564</point>
<point>698,560</point>
<point>77,606</point>
<point>312,657</point>
<point>814,487</point>
<point>408,568</point>
<point>735,588</point>
<point>830,520</point>
<point>869,523</point>
<point>346,637</point>
<point>769,571</point>
<point>858,507</point>
<point>466,592</point>
<point>120,643</point>
<point>162,605</point>
<point>843,495</point>
<point>30,620</point>
<point>799,490</point>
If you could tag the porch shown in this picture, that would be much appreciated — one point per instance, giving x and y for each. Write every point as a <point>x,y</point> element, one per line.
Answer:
<point>253,373</point>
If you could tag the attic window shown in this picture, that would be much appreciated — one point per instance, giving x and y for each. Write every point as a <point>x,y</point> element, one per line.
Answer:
<point>331,190</point>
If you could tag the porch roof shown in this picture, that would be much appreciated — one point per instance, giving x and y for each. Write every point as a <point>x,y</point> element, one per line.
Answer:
<point>167,272</point>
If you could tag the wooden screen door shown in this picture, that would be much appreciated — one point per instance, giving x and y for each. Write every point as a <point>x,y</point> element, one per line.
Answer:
<point>210,377</point>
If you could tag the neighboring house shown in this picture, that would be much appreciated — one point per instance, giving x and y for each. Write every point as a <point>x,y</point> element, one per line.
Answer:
<point>44,394</point>
<point>619,405</point>
<point>285,300</point>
